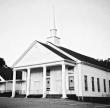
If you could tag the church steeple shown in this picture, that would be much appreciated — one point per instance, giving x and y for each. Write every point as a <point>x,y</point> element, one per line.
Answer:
<point>53,32</point>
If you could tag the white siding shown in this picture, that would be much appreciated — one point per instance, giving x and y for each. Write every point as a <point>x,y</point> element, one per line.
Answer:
<point>24,75</point>
<point>2,87</point>
<point>78,80</point>
<point>8,86</point>
<point>55,80</point>
<point>96,73</point>
<point>23,88</point>
<point>36,83</point>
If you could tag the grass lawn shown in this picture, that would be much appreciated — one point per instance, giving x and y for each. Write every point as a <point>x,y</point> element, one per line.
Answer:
<point>6,102</point>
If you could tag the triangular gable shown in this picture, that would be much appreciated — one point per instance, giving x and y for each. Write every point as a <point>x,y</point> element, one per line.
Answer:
<point>39,53</point>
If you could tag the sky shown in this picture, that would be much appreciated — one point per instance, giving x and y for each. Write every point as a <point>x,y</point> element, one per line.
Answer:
<point>83,26</point>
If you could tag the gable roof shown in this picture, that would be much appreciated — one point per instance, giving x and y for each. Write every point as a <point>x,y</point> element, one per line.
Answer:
<point>76,55</point>
<point>82,57</point>
<point>56,51</point>
<point>47,47</point>
<point>85,59</point>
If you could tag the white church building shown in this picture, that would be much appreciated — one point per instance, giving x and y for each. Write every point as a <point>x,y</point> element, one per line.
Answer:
<point>48,69</point>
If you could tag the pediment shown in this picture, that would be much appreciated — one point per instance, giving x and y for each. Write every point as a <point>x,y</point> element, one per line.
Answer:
<point>37,54</point>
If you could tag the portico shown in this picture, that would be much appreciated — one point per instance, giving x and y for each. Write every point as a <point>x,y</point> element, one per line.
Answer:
<point>51,76</point>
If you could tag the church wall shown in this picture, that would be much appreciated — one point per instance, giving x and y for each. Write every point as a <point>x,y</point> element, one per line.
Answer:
<point>78,80</point>
<point>23,84</point>
<point>55,80</point>
<point>8,86</point>
<point>2,87</point>
<point>36,81</point>
<point>23,88</point>
<point>78,72</point>
<point>70,73</point>
<point>95,73</point>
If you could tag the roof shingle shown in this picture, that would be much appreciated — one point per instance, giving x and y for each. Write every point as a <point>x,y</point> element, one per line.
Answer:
<point>82,57</point>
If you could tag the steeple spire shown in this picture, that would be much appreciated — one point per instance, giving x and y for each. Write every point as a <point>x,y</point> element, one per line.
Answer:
<point>53,31</point>
<point>53,8</point>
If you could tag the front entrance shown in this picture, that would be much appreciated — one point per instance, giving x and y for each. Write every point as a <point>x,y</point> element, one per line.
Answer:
<point>36,81</point>
<point>37,86</point>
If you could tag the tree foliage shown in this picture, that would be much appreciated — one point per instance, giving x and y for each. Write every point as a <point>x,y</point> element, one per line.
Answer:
<point>5,71</point>
<point>105,63</point>
<point>2,63</point>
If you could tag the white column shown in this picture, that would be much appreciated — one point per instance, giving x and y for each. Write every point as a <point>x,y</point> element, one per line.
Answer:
<point>44,81</point>
<point>14,83</point>
<point>63,81</point>
<point>28,82</point>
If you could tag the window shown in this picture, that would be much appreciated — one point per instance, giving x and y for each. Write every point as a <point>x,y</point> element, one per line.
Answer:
<point>104,85</point>
<point>48,84</point>
<point>71,82</point>
<point>19,75</point>
<point>70,69</point>
<point>85,81</point>
<point>98,84</point>
<point>93,88</point>
<point>109,85</point>
<point>48,72</point>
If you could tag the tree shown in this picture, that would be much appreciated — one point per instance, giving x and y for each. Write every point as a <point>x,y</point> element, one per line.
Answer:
<point>105,63</point>
<point>2,63</point>
<point>5,71</point>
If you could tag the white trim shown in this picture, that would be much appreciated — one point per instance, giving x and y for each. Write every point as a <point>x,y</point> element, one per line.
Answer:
<point>14,83</point>
<point>28,49</point>
<point>28,82</point>
<point>64,80</point>
<point>70,64</point>
<point>47,64</point>
<point>52,45</point>
<point>40,65</point>
<point>44,81</point>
